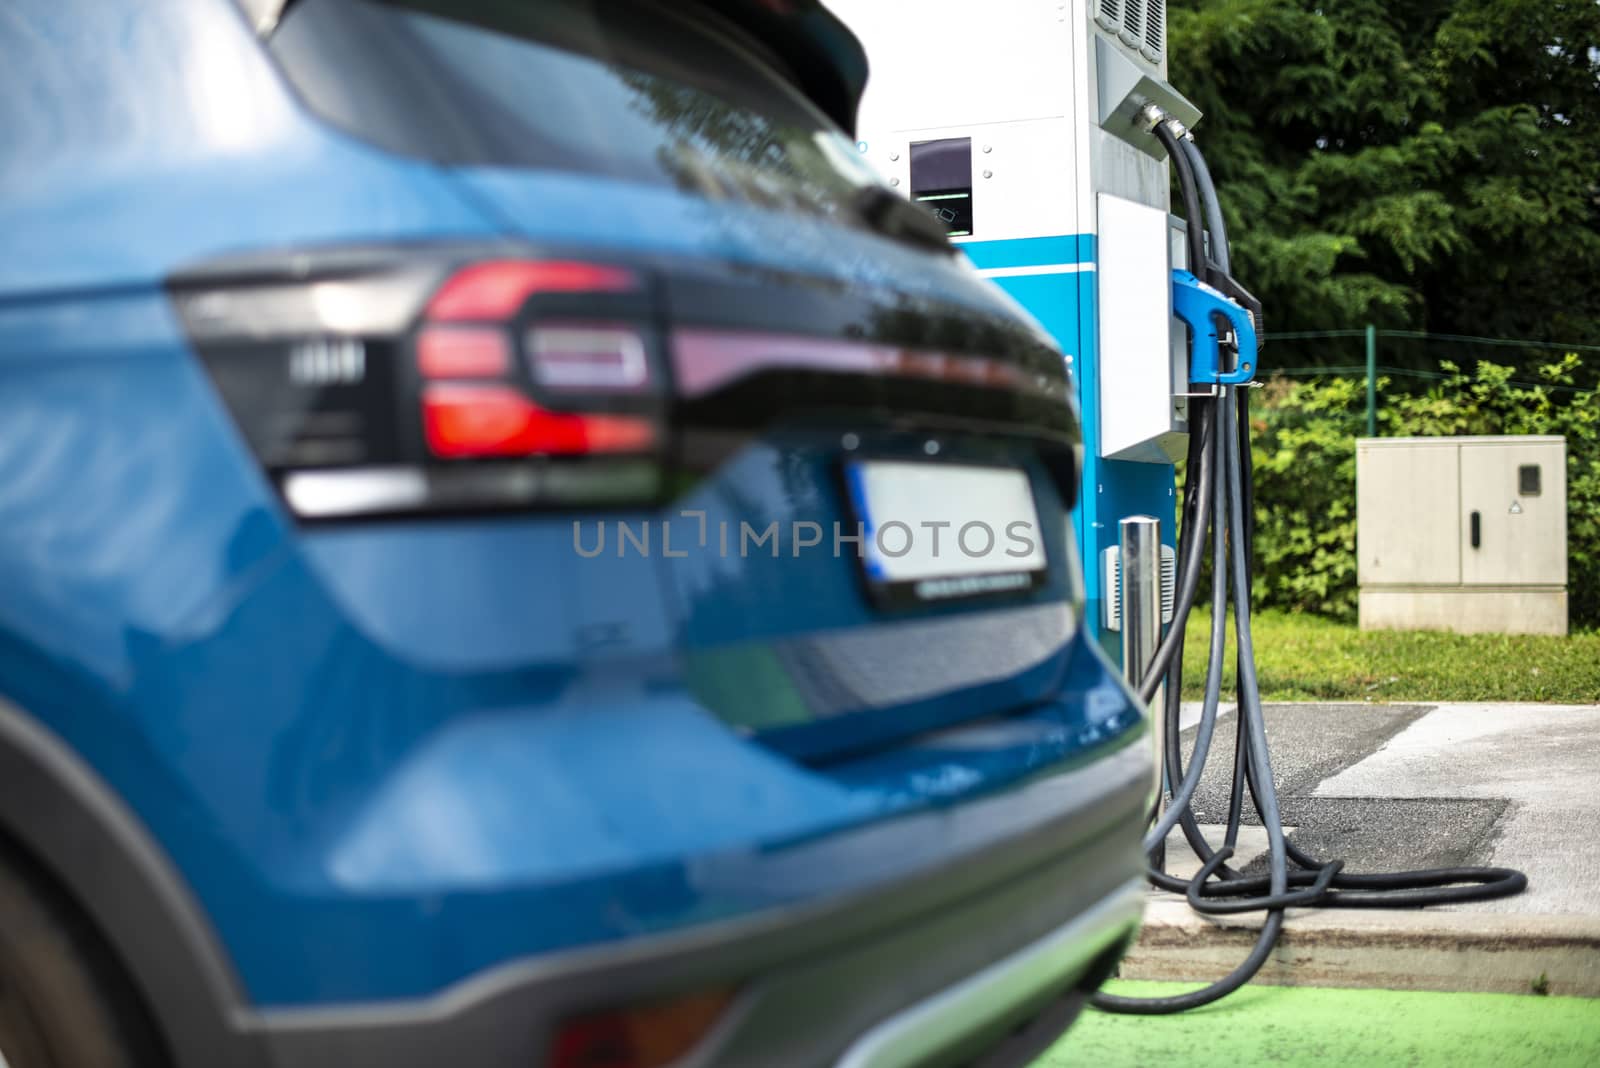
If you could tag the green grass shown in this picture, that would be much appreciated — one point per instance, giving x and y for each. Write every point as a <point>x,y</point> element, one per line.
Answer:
<point>1272,1025</point>
<point>1304,658</point>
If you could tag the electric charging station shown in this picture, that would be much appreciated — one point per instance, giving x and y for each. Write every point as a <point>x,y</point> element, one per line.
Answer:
<point>1020,125</point>
<point>1040,134</point>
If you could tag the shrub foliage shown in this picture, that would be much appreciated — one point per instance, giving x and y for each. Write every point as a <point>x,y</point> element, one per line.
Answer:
<point>1305,473</point>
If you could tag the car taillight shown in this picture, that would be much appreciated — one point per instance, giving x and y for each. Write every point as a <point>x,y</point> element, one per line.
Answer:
<point>411,382</point>
<point>475,420</point>
<point>498,289</point>
<point>463,352</point>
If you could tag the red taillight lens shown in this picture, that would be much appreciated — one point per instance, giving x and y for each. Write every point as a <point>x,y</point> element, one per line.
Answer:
<point>644,1037</point>
<point>469,336</point>
<point>566,360</point>
<point>498,289</point>
<point>463,352</point>
<point>466,421</point>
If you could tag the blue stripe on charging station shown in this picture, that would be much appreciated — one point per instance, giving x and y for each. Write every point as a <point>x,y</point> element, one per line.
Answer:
<point>1031,251</point>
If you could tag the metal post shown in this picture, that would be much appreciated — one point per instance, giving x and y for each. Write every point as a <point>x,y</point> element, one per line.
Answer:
<point>1141,611</point>
<point>1372,381</point>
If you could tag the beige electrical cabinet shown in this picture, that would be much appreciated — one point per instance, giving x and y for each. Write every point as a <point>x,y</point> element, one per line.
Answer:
<point>1466,534</point>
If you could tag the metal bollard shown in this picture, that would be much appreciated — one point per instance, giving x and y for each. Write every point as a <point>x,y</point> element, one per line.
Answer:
<point>1140,565</point>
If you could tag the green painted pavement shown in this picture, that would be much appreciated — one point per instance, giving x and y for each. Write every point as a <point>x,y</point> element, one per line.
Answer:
<point>1262,1025</point>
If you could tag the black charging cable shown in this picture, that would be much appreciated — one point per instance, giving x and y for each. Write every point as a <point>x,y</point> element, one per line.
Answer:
<point>1218,508</point>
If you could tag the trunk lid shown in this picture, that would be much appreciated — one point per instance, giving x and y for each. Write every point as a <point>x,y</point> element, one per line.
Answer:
<point>825,349</point>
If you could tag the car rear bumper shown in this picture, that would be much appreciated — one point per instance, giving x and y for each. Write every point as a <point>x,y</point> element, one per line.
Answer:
<point>1049,979</point>
<point>987,958</point>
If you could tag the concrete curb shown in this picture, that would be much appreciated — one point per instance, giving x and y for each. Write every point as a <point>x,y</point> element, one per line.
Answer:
<point>1393,950</point>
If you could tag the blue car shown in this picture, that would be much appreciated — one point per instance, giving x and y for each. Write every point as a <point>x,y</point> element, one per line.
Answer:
<point>467,476</point>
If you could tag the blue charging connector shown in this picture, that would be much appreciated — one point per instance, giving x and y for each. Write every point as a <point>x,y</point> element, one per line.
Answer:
<point>1199,305</point>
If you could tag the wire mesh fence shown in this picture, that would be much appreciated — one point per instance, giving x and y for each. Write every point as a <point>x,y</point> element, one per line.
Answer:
<point>1418,349</point>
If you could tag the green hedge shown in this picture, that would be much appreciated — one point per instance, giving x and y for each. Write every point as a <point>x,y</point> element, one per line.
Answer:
<point>1305,473</point>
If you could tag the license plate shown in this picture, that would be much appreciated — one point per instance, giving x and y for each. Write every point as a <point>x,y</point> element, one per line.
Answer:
<point>939,531</point>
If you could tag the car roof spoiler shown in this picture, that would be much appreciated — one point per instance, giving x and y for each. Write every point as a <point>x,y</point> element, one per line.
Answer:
<point>827,61</point>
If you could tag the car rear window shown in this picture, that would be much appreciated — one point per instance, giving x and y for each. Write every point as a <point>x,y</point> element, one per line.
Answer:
<point>618,88</point>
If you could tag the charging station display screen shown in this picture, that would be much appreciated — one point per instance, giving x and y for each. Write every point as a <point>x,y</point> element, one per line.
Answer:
<point>941,181</point>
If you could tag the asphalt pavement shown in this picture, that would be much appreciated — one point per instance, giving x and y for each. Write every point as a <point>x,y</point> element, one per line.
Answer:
<point>1399,787</point>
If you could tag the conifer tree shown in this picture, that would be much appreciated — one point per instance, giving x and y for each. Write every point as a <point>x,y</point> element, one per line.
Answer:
<point>1421,164</point>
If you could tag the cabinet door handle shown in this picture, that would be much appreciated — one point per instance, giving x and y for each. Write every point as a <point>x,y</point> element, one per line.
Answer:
<point>1477,529</point>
